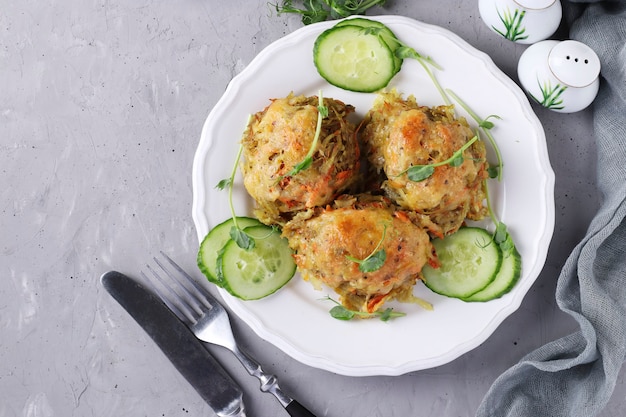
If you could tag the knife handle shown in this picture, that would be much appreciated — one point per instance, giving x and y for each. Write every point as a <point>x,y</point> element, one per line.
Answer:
<point>269,383</point>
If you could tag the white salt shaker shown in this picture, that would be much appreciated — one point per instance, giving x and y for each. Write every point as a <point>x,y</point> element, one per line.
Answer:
<point>522,21</point>
<point>563,76</point>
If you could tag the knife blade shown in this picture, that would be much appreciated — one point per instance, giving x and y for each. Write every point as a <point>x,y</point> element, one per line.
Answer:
<point>181,347</point>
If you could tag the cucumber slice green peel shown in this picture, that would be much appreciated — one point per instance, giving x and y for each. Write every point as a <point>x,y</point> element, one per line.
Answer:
<point>469,262</point>
<point>385,33</point>
<point>246,273</point>
<point>244,256</point>
<point>348,57</point>
<point>508,275</point>
<point>474,267</point>
<point>214,241</point>
<point>259,272</point>
<point>392,52</point>
<point>351,58</point>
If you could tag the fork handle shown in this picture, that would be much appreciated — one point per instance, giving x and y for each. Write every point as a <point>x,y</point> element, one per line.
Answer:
<point>295,409</point>
<point>269,383</point>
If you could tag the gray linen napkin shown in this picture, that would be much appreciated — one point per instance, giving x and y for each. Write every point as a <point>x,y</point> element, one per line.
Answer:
<point>575,375</point>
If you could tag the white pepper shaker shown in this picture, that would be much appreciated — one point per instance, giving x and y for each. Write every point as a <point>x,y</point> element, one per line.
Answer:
<point>522,21</point>
<point>563,76</point>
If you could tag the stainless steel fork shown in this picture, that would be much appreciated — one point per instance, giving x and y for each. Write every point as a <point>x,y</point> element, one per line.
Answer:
<point>209,321</point>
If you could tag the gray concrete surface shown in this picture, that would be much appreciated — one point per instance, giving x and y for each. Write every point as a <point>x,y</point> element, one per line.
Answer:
<point>101,107</point>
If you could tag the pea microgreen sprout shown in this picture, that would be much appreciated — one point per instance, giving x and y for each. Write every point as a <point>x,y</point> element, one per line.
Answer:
<point>375,260</point>
<point>408,52</point>
<point>340,312</point>
<point>308,159</point>
<point>485,125</point>
<point>319,10</point>
<point>501,235</point>
<point>404,51</point>
<point>312,13</point>
<point>419,173</point>
<point>242,239</point>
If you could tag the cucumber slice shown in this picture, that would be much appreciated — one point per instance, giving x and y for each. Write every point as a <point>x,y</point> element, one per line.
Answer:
<point>350,58</point>
<point>469,261</point>
<point>387,35</point>
<point>508,275</point>
<point>214,241</point>
<point>258,272</point>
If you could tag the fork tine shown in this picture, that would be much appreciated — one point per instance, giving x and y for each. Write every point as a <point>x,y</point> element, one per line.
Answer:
<point>201,294</point>
<point>180,309</point>
<point>181,293</point>
<point>189,297</point>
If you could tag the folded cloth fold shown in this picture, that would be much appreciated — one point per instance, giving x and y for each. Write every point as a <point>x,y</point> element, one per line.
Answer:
<point>575,376</point>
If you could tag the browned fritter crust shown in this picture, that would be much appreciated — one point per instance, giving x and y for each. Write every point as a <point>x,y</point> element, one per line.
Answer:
<point>324,238</point>
<point>330,212</point>
<point>279,137</point>
<point>398,133</point>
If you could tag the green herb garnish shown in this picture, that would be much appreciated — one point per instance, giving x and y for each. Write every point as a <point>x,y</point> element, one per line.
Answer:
<point>501,235</point>
<point>485,125</point>
<point>340,312</point>
<point>313,11</point>
<point>419,173</point>
<point>404,51</point>
<point>375,260</point>
<point>242,239</point>
<point>322,113</point>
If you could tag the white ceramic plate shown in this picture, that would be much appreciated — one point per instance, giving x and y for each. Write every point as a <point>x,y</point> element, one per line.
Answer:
<point>296,318</point>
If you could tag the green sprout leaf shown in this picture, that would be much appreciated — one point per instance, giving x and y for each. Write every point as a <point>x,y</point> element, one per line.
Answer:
<point>313,11</point>
<point>457,161</point>
<point>493,171</point>
<point>485,125</point>
<point>323,110</point>
<point>387,314</point>
<point>503,239</point>
<point>501,235</point>
<point>375,260</point>
<point>242,239</point>
<point>300,166</point>
<point>340,312</point>
<point>419,173</point>
<point>404,51</point>
<point>223,184</point>
<point>322,113</point>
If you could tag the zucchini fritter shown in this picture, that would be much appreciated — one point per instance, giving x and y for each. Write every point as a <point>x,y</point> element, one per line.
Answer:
<point>324,238</point>
<point>279,137</point>
<point>399,133</point>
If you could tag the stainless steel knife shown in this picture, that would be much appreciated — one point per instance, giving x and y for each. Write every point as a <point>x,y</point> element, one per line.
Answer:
<point>181,347</point>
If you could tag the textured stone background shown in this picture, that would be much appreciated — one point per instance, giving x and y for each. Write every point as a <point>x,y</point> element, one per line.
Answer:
<point>101,108</point>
